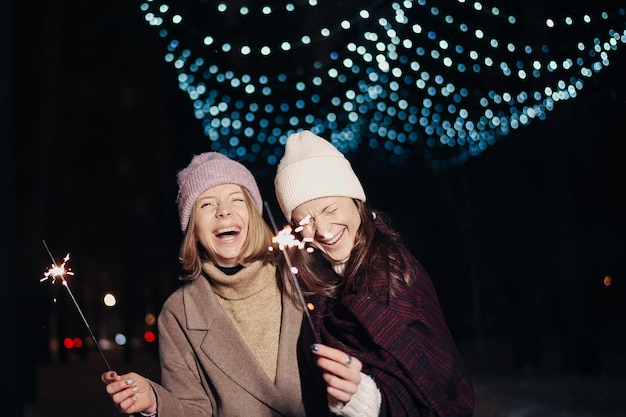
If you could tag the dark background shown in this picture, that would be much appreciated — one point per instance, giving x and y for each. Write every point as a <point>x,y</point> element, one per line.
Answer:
<point>518,240</point>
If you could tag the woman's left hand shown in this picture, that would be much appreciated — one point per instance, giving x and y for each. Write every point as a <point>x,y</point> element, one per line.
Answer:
<point>342,372</point>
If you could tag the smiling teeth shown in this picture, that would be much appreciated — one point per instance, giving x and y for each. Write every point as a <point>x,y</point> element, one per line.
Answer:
<point>332,240</point>
<point>227,230</point>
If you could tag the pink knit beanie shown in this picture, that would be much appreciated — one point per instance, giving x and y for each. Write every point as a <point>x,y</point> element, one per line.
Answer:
<point>209,170</point>
<point>313,168</point>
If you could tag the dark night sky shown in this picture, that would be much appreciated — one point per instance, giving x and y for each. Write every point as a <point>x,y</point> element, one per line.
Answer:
<point>517,240</point>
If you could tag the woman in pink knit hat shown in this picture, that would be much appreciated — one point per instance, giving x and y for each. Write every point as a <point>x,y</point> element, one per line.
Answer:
<point>372,299</point>
<point>228,335</point>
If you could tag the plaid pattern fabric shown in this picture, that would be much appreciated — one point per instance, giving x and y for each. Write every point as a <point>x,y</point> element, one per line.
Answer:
<point>404,344</point>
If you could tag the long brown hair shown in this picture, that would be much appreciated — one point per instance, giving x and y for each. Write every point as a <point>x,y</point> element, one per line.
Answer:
<point>192,255</point>
<point>378,249</point>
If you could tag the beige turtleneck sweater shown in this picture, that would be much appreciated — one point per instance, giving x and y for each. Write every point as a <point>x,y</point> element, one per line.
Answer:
<point>252,299</point>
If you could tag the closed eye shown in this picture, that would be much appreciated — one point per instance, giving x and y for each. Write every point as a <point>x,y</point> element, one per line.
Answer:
<point>305,221</point>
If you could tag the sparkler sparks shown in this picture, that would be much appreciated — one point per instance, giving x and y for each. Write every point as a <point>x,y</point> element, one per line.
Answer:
<point>286,239</point>
<point>58,272</point>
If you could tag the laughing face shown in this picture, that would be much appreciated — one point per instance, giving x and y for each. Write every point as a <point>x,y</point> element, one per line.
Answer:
<point>332,223</point>
<point>221,223</point>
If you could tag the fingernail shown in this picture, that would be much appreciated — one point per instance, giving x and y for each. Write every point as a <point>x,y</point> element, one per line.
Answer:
<point>128,381</point>
<point>314,347</point>
<point>135,388</point>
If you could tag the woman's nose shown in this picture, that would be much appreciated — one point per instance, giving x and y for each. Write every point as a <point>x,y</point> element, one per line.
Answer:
<point>223,210</point>
<point>321,229</point>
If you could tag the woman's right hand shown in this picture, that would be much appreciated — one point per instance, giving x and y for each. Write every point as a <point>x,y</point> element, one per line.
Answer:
<point>341,372</point>
<point>131,392</point>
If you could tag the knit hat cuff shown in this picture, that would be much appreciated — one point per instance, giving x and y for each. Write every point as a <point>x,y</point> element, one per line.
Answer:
<point>209,170</point>
<point>316,177</point>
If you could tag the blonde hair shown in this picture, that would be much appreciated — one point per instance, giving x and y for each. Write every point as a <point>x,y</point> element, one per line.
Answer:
<point>192,254</point>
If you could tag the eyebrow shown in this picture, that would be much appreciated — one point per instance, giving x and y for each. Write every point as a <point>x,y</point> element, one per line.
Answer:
<point>328,207</point>
<point>233,193</point>
<point>322,211</point>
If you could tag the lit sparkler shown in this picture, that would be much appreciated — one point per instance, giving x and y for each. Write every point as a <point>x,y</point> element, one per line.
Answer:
<point>58,272</point>
<point>286,239</point>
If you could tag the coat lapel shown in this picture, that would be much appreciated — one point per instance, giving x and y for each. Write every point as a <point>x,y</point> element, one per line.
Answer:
<point>224,347</point>
<point>287,372</point>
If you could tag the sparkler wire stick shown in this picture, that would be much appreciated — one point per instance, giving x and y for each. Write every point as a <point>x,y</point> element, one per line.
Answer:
<point>293,275</point>
<point>59,272</point>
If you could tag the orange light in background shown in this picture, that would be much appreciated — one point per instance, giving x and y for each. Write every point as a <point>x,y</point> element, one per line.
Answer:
<point>608,280</point>
<point>150,319</point>
<point>149,336</point>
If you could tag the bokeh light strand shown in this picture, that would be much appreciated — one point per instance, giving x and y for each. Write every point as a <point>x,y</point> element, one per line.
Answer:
<point>445,80</point>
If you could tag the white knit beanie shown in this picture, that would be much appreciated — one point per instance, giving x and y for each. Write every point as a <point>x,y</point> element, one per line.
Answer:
<point>313,168</point>
<point>209,170</point>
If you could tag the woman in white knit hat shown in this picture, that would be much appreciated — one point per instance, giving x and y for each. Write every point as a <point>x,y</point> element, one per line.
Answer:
<point>228,335</point>
<point>374,305</point>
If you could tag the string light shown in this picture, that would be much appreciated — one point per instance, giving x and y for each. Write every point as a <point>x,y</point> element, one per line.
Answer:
<point>445,80</point>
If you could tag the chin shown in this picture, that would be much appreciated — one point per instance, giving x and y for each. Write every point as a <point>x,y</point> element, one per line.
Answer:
<point>338,257</point>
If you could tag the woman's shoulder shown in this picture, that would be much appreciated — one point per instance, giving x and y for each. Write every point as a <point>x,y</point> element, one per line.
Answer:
<point>173,302</point>
<point>378,296</point>
<point>176,298</point>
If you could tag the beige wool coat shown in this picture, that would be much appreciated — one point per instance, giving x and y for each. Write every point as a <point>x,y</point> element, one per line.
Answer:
<point>207,369</point>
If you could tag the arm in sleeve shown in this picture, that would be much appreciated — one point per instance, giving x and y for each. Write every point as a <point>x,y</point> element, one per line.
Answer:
<point>182,392</point>
<point>423,367</point>
<point>364,403</point>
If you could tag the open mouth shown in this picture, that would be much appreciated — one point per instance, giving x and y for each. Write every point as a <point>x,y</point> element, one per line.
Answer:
<point>227,232</point>
<point>335,239</point>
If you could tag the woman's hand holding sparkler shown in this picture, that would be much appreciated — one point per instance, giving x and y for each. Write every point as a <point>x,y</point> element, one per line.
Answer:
<point>341,372</point>
<point>131,392</point>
